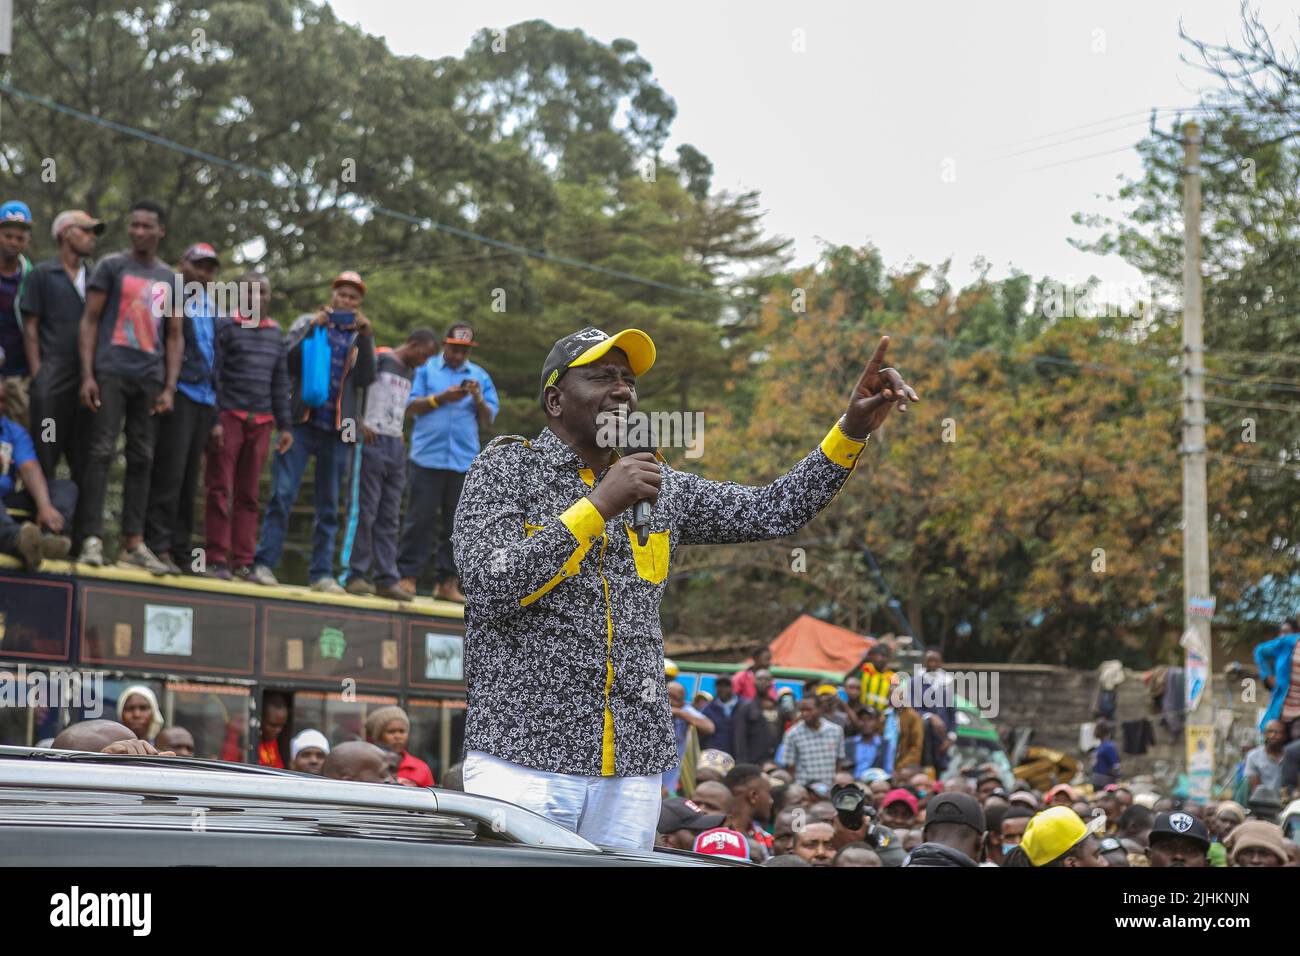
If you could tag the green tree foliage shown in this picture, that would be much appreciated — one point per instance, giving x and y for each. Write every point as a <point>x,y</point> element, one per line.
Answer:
<point>1251,247</point>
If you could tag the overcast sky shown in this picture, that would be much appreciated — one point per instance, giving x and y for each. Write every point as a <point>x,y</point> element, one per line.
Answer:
<point>849,141</point>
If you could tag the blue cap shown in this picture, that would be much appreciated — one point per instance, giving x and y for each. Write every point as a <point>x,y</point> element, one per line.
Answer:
<point>15,211</point>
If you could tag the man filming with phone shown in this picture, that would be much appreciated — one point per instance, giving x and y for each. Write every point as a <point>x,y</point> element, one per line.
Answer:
<point>451,400</point>
<point>324,431</point>
<point>567,709</point>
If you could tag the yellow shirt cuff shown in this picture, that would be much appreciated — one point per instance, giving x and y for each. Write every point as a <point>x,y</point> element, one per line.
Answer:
<point>842,449</point>
<point>583,521</point>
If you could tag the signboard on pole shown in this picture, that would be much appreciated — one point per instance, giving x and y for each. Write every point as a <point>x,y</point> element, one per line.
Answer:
<point>1197,668</point>
<point>1200,762</point>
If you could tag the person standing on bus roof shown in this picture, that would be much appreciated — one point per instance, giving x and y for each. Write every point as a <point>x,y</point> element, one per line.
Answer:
<point>452,400</point>
<point>182,435</point>
<point>15,270</point>
<point>374,515</point>
<point>567,709</point>
<point>129,369</point>
<point>52,305</point>
<point>324,433</point>
<point>250,371</point>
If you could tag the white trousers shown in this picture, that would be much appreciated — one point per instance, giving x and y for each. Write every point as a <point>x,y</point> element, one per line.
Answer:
<point>608,811</point>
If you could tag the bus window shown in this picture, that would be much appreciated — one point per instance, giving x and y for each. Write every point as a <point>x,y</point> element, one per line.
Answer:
<point>427,718</point>
<point>454,721</point>
<point>27,726</point>
<point>338,719</point>
<point>215,714</point>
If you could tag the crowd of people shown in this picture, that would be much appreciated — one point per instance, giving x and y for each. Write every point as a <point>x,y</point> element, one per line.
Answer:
<point>796,793</point>
<point>837,782</point>
<point>89,355</point>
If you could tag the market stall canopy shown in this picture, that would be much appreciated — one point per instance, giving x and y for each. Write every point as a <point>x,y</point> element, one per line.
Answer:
<point>815,645</point>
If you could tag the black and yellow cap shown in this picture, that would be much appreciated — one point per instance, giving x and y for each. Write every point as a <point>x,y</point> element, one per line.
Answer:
<point>588,345</point>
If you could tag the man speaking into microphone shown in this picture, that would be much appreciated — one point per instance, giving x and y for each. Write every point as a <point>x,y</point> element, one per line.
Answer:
<point>567,710</point>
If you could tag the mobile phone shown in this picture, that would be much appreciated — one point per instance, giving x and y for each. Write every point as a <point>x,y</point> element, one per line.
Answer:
<point>342,318</point>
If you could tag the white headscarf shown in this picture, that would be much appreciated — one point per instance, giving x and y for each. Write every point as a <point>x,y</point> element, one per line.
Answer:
<point>156,721</point>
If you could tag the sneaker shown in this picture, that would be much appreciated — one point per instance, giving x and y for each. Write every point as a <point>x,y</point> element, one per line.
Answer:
<point>243,573</point>
<point>327,586</point>
<point>220,572</point>
<point>55,547</point>
<point>408,585</point>
<point>169,564</point>
<point>394,592</point>
<point>92,552</point>
<point>261,574</point>
<point>141,557</point>
<point>449,590</point>
<point>29,545</point>
<point>359,586</point>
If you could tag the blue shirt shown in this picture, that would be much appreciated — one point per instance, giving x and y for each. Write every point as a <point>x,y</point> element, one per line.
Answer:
<point>203,321</point>
<point>866,753</point>
<point>447,437</point>
<point>1107,758</point>
<point>340,339</point>
<point>15,449</point>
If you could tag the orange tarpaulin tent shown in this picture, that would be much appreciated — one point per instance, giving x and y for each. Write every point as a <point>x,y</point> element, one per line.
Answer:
<point>815,645</point>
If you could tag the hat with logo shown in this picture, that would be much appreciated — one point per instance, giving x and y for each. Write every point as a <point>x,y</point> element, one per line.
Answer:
<point>200,252</point>
<point>888,847</point>
<point>679,813</point>
<point>724,842</point>
<point>1176,823</point>
<point>76,217</point>
<point>590,344</point>
<point>461,333</point>
<point>718,760</point>
<point>15,213</point>
<point>956,808</point>
<point>349,277</point>
<point>1055,832</point>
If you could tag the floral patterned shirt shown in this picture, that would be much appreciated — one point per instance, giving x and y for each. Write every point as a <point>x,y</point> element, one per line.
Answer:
<point>564,655</point>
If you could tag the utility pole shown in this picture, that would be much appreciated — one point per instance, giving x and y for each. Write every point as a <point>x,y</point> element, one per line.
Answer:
<point>1198,603</point>
<point>6,26</point>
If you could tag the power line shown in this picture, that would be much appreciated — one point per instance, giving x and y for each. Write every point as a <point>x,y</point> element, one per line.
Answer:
<point>282,181</point>
<point>1254,462</point>
<point>1080,159</point>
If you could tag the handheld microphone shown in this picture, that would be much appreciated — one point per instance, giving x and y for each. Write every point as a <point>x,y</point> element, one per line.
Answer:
<point>640,510</point>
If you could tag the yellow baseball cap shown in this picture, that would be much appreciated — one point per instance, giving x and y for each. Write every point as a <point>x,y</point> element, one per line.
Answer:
<point>1056,831</point>
<point>589,344</point>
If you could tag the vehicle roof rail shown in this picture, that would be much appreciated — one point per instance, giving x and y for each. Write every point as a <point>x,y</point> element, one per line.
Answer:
<point>31,767</point>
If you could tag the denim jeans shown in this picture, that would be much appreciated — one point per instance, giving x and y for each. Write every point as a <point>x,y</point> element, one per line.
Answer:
<point>330,455</point>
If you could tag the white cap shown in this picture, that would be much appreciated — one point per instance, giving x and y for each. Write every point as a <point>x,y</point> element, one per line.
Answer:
<point>305,741</point>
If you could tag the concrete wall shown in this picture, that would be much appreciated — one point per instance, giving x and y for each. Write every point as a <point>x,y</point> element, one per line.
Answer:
<point>1054,701</point>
